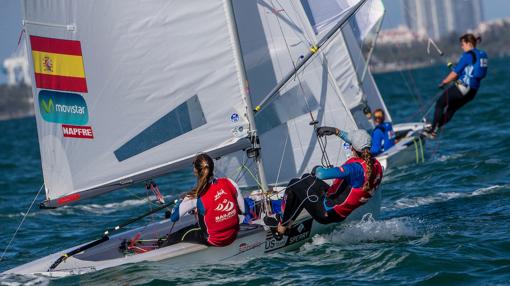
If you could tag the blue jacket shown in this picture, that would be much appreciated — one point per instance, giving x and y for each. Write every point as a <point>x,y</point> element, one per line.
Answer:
<point>472,68</point>
<point>383,138</point>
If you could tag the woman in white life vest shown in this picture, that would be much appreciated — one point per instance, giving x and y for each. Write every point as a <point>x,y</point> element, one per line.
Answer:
<point>217,203</point>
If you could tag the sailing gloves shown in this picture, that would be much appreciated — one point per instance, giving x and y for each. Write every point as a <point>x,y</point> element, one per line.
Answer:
<point>326,131</point>
<point>314,170</point>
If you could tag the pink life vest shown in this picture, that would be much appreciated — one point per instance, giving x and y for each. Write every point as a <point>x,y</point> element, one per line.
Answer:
<point>221,212</point>
<point>357,196</point>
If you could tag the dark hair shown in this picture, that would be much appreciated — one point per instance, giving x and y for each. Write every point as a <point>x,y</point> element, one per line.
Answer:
<point>204,165</point>
<point>366,155</point>
<point>470,38</point>
<point>381,111</point>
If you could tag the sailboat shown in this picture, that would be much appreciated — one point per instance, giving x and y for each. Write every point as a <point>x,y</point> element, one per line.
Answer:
<point>126,93</point>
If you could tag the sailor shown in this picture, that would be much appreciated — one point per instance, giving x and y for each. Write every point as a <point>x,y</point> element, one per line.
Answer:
<point>217,202</point>
<point>383,137</point>
<point>467,74</point>
<point>354,184</point>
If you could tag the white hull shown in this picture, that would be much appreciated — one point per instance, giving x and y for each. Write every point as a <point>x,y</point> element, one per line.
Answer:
<point>253,241</point>
<point>410,149</point>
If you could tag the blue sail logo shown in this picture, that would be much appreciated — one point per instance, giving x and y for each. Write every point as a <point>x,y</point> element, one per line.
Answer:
<point>63,107</point>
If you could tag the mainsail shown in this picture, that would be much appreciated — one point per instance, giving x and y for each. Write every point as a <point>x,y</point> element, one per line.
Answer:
<point>132,94</point>
<point>142,89</point>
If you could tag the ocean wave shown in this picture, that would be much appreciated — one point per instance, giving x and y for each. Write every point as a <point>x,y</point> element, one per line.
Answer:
<point>413,202</point>
<point>26,280</point>
<point>369,229</point>
<point>20,214</point>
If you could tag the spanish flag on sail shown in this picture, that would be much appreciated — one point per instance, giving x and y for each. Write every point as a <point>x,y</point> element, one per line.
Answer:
<point>58,64</point>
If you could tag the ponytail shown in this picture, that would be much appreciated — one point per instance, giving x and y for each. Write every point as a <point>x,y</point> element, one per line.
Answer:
<point>369,162</point>
<point>470,38</point>
<point>204,165</point>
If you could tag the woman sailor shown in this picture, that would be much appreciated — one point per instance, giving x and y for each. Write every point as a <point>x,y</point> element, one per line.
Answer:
<point>218,204</point>
<point>354,184</point>
<point>467,75</point>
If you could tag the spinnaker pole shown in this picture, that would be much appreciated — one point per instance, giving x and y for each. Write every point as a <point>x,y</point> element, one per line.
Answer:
<point>255,150</point>
<point>313,50</point>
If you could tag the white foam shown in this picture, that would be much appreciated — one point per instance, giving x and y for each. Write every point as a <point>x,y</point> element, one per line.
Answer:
<point>368,230</point>
<point>413,202</point>
<point>15,280</point>
<point>444,158</point>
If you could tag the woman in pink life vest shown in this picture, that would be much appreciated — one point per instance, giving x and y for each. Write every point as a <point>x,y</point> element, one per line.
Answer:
<point>355,182</point>
<point>217,202</point>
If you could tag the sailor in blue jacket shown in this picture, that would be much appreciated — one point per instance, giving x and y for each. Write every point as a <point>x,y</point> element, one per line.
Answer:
<point>467,75</point>
<point>383,137</point>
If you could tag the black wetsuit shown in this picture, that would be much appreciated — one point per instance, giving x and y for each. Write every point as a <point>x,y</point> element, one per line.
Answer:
<point>309,193</point>
<point>450,101</point>
<point>192,233</point>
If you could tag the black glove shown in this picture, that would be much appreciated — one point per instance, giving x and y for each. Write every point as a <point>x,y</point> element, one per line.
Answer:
<point>326,131</point>
<point>314,170</point>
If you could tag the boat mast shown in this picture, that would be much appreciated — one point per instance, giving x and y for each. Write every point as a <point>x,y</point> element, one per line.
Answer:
<point>255,151</point>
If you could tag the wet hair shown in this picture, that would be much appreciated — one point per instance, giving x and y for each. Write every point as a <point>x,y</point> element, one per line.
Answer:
<point>366,155</point>
<point>381,111</point>
<point>204,165</point>
<point>470,38</point>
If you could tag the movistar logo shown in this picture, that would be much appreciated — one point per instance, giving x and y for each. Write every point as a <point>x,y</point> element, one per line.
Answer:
<point>48,105</point>
<point>63,107</point>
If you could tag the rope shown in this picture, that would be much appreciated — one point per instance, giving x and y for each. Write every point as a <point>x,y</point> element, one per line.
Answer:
<point>281,160</point>
<point>322,145</point>
<point>422,152</point>
<point>21,223</point>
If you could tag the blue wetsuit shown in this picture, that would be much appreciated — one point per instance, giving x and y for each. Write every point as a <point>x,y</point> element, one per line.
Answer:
<point>352,173</point>
<point>471,69</point>
<point>383,138</point>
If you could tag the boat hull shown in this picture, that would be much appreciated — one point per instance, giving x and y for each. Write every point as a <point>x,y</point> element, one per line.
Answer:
<point>253,241</point>
<point>409,149</point>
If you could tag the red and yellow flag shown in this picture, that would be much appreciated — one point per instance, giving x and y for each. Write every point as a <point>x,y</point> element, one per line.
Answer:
<point>58,64</point>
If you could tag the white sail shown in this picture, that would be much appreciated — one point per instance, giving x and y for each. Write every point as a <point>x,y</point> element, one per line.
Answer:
<point>125,91</point>
<point>368,19</point>
<point>346,59</point>
<point>273,39</point>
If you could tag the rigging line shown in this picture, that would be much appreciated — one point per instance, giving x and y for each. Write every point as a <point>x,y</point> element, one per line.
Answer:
<point>304,35</point>
<point>21,223</point>
<point>301,21</point>
<point>273,41</point>
<point>290,56</point>
<point>321,145</point>
<point>281,160</point>
<point>411,90</point>
<point>324,41</point>
<point>242,171</point>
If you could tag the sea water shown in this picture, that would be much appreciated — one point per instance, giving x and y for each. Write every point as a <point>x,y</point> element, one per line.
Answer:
<point>443,222</point>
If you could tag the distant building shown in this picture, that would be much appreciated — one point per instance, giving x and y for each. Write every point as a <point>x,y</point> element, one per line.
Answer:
<point>16,68</point>
<point>399,35</point>
<point>437,18</point>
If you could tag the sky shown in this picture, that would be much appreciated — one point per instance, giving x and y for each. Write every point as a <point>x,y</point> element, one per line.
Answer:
<point>10,21</point>
<point>492,9</point>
